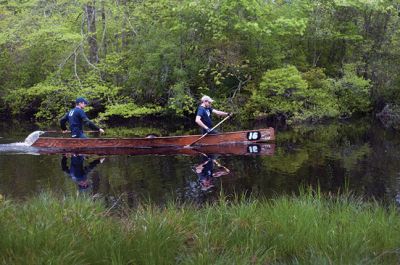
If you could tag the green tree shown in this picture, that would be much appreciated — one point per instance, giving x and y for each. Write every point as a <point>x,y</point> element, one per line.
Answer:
<point>353,93</point>
<point>284,93</point>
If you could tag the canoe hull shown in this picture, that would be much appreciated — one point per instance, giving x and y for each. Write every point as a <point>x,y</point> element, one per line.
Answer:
<point>240,137</point>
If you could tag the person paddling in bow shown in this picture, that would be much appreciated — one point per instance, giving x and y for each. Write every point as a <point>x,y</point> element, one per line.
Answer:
<point>77,118</point>
<point>203,116</point>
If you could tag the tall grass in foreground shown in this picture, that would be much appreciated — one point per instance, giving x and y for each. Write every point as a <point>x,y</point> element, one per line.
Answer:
<point>288,230</point>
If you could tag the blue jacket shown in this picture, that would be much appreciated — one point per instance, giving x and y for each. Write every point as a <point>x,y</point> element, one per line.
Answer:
<point>76,119</point>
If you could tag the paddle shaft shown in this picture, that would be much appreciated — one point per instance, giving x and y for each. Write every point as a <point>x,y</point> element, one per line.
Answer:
<point>204,135</point>
<point>63,132</point>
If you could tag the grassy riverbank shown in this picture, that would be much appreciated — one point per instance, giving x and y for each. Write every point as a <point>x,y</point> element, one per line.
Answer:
<point>288,230</point>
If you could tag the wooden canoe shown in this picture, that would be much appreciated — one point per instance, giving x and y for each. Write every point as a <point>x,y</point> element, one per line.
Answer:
<point>228,138</point>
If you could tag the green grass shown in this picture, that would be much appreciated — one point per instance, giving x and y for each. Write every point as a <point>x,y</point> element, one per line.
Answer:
<point>304,229</point>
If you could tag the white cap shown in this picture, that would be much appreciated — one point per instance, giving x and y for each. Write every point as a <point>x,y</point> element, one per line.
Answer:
<point>206,98</point>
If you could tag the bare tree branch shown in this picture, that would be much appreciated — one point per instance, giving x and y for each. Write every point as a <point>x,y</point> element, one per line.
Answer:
<point>75,70</point>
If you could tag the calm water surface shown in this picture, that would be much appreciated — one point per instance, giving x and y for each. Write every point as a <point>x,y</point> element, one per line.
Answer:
<point>358,156</point>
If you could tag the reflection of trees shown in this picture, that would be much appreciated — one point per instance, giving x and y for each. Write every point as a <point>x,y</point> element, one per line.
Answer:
<point>380,172</point>
<point>146,178</point>
<point>288,162</point>
<point>365,156</point>
<point>322,155</point>
<point>314,144</point>
<point>17,180</point>
<point>351,156</point>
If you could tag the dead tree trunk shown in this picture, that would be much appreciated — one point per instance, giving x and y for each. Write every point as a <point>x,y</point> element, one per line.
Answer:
<point>103,21</point>
<point>90,10</point>
<point>124,26</point>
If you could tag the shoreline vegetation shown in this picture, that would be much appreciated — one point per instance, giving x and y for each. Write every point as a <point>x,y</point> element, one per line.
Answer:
<point>310,228</point>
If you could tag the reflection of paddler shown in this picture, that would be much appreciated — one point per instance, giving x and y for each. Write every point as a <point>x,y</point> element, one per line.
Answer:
<point>206,172</point>
<point>77,171</point>
<point>220,171</point>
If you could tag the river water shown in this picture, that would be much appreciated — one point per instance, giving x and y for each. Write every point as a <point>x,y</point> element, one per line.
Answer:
<point>357,156</point>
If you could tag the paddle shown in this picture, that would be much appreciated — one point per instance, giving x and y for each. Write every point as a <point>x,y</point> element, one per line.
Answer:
<point>212,129</point>
<point>68,132</point>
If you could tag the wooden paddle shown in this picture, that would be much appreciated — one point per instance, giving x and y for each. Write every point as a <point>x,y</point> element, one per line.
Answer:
<point>69,132</point>
<point>213,128</point>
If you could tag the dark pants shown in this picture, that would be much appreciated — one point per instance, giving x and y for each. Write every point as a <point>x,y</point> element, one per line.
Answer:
<point>78,134</point>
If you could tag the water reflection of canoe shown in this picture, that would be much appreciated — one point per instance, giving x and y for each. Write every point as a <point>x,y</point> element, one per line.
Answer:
<point>229,138</point>
<point>231,149</point>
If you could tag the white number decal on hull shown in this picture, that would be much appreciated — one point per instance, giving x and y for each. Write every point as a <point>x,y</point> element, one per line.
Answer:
<point>253,136</point>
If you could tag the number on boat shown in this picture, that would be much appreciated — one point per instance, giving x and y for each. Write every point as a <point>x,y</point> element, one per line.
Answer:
<point>253,135</point>
<point>253,149</point>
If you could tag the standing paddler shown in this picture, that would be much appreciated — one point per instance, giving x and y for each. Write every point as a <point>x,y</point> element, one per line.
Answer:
<point>203,116</point>
<point>77,118</point>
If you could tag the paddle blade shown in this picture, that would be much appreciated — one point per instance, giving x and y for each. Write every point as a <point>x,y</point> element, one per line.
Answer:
<point>33,137</point>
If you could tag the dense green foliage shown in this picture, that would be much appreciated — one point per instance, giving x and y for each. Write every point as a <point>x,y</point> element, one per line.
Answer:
<point>309,229</point>
<point>284,92</point>
<point>300,60</point>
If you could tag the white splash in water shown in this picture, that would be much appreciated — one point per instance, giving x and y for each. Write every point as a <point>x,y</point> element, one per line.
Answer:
<point>22,147</point>
<point>32,138</point>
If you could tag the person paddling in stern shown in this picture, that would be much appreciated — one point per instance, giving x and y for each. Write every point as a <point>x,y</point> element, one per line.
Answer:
<point>77,118</point>
<point>203,116</point>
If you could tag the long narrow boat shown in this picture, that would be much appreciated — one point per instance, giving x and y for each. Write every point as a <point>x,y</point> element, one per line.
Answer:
<point>228,138</point>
